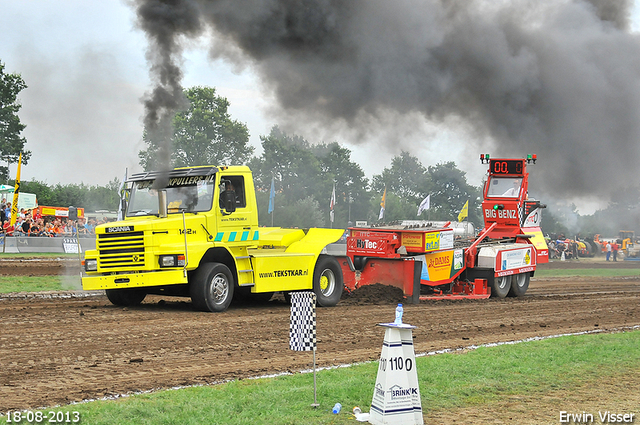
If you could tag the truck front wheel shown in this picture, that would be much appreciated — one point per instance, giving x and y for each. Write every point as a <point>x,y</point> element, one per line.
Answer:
<point>501,286</point>
<point>212,287</point>
<point>519,284</point>
<point>126,297</point>
<point>327,281</point>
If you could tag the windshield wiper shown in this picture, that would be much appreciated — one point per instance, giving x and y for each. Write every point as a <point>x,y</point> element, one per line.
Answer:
<point>141,212</point>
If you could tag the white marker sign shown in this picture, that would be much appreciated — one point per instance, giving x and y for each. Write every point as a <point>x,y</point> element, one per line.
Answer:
<point>396,396</point>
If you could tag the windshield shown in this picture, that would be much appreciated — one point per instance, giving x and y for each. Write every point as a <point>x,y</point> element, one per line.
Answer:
<point>508,187</point>
<point>193,194</point>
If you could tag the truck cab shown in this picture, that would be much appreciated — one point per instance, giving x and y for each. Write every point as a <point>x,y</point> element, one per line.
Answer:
<point>506,203</point>
<point>194,232</point>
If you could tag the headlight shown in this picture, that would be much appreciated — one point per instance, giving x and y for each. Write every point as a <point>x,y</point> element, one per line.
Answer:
<point>90,265</point>
<point>171,261</point>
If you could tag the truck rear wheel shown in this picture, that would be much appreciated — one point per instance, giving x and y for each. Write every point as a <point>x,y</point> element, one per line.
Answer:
<point>519,284</point>
<point>327,281</point>
<point>212,287</point>
<point>126,297</point>
<point>500,286</point>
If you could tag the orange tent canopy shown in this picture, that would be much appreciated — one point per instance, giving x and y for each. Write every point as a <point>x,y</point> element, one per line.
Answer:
<point>57,211</point>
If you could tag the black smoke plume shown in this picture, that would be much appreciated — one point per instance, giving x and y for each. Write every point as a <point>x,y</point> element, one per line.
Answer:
<point>560,78</point>
<point>166,23</point>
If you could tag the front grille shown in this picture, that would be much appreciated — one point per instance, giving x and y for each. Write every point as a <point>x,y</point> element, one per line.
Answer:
<point>118,250</point>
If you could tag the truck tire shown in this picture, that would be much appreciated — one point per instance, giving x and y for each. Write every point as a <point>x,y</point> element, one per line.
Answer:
<point>327,281</point>
<point>212,287</point>
<point>519,284</point>
<point>126,297</point>
<point>500,286</point>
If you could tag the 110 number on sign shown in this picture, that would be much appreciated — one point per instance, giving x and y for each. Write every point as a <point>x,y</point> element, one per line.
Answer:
<point>39,416</point>
<point>396,363</point>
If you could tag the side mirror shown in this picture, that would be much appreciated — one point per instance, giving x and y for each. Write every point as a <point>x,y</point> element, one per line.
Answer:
<point>229,200</point>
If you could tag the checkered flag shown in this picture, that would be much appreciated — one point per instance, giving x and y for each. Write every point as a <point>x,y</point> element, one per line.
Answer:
<point>302,325</point>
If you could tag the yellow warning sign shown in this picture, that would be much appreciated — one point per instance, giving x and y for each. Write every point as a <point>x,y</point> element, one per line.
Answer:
<point>412,240</point>
<point>432,242</point>
<point>439,265</point>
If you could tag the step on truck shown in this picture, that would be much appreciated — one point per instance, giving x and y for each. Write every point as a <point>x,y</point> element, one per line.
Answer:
<point>431,262</point>
<point>194,232</point>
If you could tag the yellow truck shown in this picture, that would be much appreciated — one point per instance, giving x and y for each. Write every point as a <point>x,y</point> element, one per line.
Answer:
<point>194,232</point>
<point>629,247</point>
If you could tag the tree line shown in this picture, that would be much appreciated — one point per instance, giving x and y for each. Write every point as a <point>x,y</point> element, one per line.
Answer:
<point>91,198</point>
<point>304,174</point>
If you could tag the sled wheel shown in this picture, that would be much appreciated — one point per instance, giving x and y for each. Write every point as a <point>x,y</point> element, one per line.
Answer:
<point>519,284</point>
<point>126,297</point>
<point>501,286</point>
<point>212,287</point>
<point>327,281</point>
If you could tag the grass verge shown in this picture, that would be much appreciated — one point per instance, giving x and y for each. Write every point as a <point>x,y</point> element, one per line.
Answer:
<point>10,284</point>
<point>473,380</point>
<point>588,272</point>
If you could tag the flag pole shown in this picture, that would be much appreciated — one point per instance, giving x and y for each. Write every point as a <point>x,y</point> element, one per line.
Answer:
<point>315,397</point>
<point>272,199</point>
<point>302,329</point>
<point>383,204</point>
<point>14,205</point>
<point>332,205</point>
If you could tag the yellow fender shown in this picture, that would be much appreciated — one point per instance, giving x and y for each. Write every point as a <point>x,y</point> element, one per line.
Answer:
<point>315,241</point>
<point>293,269</point>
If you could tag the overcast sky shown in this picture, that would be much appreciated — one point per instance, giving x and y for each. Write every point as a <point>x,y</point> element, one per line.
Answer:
<point>84,64</point>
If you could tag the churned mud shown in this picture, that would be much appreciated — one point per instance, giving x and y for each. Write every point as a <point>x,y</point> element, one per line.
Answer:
<point>59,350</point>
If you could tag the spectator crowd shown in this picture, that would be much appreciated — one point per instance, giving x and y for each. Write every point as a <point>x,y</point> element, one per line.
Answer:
<point>30,223</point>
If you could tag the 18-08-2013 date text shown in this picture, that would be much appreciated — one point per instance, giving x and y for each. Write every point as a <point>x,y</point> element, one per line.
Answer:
<point>42,416</point>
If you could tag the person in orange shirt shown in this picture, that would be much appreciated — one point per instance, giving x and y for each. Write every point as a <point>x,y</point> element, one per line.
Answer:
<point>48,229</point>
<point>614,249</point>
<point>57,228</point>
<point>8,229</point>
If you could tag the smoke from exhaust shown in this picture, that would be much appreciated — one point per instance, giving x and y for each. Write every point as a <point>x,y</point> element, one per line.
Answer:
<point>166,24</point>
<point>560,78</point>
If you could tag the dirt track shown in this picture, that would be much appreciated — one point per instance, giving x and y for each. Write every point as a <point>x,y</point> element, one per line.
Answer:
<point>54,351</point>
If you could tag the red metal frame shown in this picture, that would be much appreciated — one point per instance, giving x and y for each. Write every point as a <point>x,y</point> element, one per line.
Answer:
<point>376,251</point>
<point>403,273</point>
<point>477,290</point>
<point>373,244</point>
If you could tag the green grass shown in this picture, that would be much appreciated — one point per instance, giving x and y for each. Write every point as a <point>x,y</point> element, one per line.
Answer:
<point>588,272</point>
<point>38,283</point>
<point>448,381</point>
